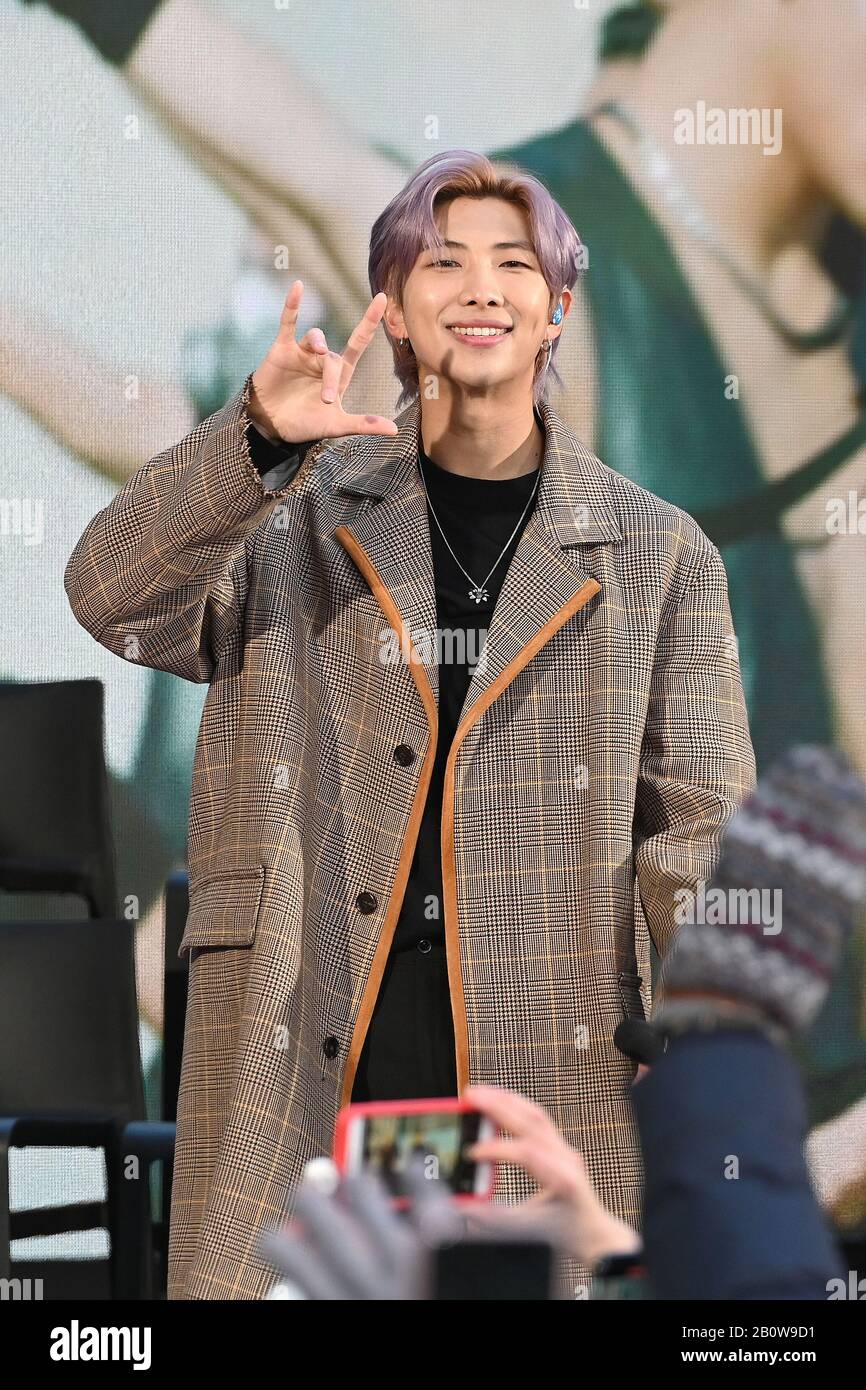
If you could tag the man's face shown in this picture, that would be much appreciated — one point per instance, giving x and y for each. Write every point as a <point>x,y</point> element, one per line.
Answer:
<point>487,274</point>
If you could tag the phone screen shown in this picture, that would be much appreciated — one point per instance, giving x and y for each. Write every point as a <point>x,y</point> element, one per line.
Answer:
<point>386,1144</point>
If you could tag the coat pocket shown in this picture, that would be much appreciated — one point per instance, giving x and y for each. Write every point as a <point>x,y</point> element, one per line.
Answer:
<point>224,909</point>
<point>619,994</point>
<point>630,996</point>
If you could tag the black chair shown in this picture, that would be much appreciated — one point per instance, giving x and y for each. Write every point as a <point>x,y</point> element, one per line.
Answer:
<point>55,834</point>
<point>175,990</point>
<point>70,1075</point>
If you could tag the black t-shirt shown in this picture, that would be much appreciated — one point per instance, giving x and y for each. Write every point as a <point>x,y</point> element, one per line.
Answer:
<point>477,515</point>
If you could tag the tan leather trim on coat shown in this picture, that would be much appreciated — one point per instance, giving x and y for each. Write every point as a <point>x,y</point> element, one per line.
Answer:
<point>449,867</point>
<point>407,850</point>
<point>449,874</point>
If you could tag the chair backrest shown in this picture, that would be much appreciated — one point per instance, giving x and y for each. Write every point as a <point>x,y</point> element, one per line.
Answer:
<point>69,1019</point>
<point>55,833</point>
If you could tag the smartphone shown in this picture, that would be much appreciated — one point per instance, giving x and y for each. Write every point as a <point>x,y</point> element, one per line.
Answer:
<point>383,1136</point>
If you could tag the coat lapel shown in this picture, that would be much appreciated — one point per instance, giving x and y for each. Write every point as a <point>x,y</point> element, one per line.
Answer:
<point>394,531</point>
<point>547,571</point>
<point>572,510</point>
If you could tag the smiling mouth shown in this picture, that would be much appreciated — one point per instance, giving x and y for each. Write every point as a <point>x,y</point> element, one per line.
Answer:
<point>477,332</point>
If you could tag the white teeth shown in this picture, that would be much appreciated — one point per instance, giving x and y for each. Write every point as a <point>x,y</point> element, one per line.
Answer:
<point>480,332</point>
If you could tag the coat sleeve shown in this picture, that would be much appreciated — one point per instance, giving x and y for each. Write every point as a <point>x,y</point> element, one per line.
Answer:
<point>159,577</point>
<point>697,763</point>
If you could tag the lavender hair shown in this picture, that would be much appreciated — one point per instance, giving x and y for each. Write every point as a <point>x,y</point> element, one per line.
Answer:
<point>408,226</point>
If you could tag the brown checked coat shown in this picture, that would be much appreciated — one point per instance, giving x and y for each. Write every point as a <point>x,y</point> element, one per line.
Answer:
<point>603,746</point>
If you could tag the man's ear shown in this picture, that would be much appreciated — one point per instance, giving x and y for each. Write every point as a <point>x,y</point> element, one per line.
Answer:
<point>393,319</point>
<point>554,329</point>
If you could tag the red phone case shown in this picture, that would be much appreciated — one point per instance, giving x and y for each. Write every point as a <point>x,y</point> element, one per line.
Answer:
<point>446,1104</point>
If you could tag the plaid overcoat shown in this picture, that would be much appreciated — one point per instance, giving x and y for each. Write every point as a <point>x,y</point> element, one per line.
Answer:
<point>603,745</point>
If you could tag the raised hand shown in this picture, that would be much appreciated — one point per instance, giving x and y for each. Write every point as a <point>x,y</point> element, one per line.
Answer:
<point>297,391</point>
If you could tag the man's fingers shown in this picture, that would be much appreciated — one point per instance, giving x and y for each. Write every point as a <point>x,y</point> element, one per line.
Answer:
<point>368,424</point>
<point>314,340</point>
<point>332,367</point>
<point>291,308</point>
<point>365,331</point>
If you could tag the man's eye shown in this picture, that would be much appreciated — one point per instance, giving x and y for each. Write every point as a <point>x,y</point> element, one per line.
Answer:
<point>450,262</point>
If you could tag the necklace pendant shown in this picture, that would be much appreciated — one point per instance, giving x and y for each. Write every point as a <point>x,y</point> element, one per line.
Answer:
<point>479,593</point>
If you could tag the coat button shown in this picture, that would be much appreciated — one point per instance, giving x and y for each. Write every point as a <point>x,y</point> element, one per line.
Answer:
<point>331,1046</point>
<point>404,755</point>
<point>367,902</point>
<point>424,946</point>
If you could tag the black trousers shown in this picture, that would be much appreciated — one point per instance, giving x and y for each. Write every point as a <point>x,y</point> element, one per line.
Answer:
<point>408,1052</point>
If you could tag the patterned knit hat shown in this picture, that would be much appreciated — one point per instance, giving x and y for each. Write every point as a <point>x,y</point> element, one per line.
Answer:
<point>758,945</point>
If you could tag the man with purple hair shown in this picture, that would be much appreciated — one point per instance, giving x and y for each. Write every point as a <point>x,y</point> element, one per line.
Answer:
<point>475,717</point>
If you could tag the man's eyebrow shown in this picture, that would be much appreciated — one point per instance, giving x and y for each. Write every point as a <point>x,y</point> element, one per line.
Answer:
<point>497,245</point>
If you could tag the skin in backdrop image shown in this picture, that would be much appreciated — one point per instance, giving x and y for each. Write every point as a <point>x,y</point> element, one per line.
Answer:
<point>714,352</point>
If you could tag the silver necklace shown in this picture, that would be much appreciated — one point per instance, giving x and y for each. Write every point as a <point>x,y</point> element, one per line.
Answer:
<point>478,592</point>
<point>685,208</point>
